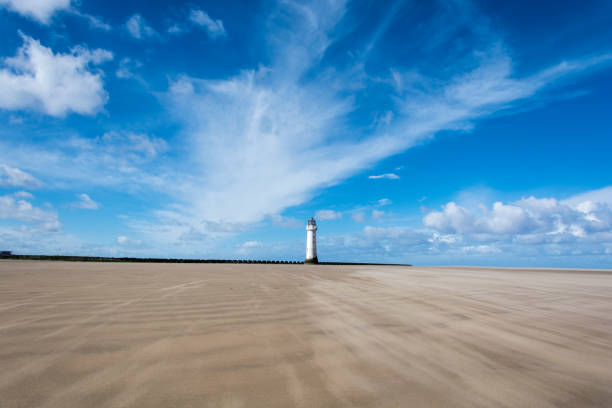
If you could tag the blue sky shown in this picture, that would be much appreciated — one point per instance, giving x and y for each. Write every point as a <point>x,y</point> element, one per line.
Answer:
<point>441,132</point>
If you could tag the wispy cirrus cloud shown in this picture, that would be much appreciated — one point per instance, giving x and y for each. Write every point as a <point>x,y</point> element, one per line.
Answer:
<point>94,21</point>
<point>124,160</point>
<point>284,122</point>
<point>389,176</point>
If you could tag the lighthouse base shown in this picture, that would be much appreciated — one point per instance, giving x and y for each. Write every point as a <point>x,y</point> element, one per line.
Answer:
<point>312,260</point>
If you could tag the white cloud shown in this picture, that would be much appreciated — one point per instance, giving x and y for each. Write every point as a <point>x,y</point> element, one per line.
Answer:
<point>128,242</point>
<point>23,194</point>
<point>138,27</point>
<point>390,176</point>
<point>214,28</point>
<point>127,66</point>
<point>358,216</point>
<point>199,19</point>
<point>40,10</point>
<point>384,201</point>
<point>56,84</point>
<point>43,11</point>
<point>530,232</point>
<point>272,137</point>
<point>328,215</point>
<point>480,249</point>
<point>276,124</point>
<point>19,207</point>
<point>534,219</point>
<point>375,244</point>
<point>377,214</point>
<point>136,146</point>
<point>286,222</point>
<point>176,29</point>
<point>14,177</point>
<point>124,160</point>
<point>452,218</point>
<point>602,195</point>
<point>94,22</point>
<point>280,133</point>
<point>85,203</point>
<point>252,244</point>
<point>248,247</point>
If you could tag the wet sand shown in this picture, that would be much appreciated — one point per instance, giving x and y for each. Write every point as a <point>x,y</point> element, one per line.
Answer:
<point>227,335</point>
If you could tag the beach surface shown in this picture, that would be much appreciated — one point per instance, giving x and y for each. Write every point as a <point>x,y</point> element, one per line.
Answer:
<point>78,334</point>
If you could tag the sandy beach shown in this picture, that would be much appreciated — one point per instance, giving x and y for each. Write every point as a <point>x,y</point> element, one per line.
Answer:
<point>225,335</point>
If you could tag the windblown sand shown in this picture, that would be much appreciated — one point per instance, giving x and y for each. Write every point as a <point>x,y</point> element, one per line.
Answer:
<point>204,335</point>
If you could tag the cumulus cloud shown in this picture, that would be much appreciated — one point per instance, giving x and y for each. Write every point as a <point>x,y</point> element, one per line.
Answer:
<point>14,177</point>
<point>39,10</point>
<point>85,203</point>
<point>529,231</point>
<point>384,201</point>
<point>19,207</point>
<point>547,232</point>
<point>214,28</point>
<point>451,218</point>
<point>389,176</point>
<point>531,218</point>
<point>56,84</point>
<point>328,215</point>
<point>138,27</point>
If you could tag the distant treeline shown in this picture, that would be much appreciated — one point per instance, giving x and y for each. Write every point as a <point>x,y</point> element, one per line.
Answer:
<point>70,258</point>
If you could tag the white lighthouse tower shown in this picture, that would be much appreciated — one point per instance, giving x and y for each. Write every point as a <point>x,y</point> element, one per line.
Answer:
<point>311,241</point>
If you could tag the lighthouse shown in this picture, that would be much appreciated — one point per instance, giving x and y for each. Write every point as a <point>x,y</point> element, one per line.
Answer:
<point>311,241</point>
